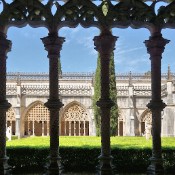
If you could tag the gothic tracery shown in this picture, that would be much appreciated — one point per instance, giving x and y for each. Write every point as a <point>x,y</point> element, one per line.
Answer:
<point>38,112</point>
<point>10,115</point>
<point>75,113</point>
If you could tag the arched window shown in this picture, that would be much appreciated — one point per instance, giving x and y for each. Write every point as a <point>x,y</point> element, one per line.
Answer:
<point>37,120</point>
<point>75,121</point>
<point>120,122</point>
<point>11,120</point>
<point>146,119</point>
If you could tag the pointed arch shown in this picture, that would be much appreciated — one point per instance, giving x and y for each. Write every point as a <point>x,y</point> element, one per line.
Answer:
<point>121,121</point>
<point>75,119</point>
<point>145,119</point>
<point>11,120</point>
<point>37,119</point>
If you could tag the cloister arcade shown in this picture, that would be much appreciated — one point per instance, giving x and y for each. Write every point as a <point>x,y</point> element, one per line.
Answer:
<point>104,15</point>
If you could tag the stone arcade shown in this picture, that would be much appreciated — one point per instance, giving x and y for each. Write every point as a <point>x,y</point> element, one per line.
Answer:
<point>27,92</point>
<point>104,15</point>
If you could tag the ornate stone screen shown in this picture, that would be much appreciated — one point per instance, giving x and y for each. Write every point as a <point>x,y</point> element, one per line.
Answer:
<point>37,120</point>
<point>145,121</point>
<point>11,120</point>
<point>75,121</point>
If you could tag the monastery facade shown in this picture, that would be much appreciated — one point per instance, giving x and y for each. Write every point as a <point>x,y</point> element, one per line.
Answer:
<point>27,92</point>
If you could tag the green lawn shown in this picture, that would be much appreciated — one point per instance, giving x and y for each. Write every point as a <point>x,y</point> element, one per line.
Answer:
<point>81,141</point>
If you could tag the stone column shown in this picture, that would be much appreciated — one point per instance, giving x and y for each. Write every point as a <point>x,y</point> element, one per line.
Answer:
<point>169,88</point>
<point>155,47</point>
<point>70,128</point>
<point>105,44</point>
<point>5,46</point>
<point>42,128</point>
<point>33,126</point>
<point>131,106</point>
<point>53,44</point>
<point>84,128</point>
<point>47,128</point>
<point>18,108</point>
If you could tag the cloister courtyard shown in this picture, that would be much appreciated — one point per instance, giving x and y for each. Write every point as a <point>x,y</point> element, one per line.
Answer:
<point>32,104</point>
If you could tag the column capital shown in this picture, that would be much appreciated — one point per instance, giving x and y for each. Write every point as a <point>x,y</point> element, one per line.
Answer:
<point>53,104</point>
<point>105,43</point>
<point>156,45</point>
<point>5,105</point>
<point>156,105</point>
<point>5,44</point>
<point>105,103</point>
<point>53,44</point>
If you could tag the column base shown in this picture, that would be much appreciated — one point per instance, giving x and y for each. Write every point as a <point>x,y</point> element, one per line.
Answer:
<point>105,166</point>
<point>5,169</point>
<point>54,166</point>
<point>156,167</point>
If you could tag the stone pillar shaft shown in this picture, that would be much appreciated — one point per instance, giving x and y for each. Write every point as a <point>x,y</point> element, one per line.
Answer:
<point>5,46</point>
<point>53,45</point>
<point>104,44</point>
<point>155,47</point>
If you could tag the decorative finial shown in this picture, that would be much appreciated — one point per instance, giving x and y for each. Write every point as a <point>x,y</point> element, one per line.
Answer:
<point>169,78</point>
<point>18,81</point>
<point>130,79</point>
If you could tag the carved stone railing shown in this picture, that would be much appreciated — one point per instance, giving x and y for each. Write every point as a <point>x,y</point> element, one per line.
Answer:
<point>78,90</point>
<point>11,90</point>
<point>142,90</point>
<point>122,90</point>
<point>24,76</point>
<point>66,90</point>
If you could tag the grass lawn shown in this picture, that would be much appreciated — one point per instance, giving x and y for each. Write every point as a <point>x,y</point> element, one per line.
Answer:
<point>88,141</point>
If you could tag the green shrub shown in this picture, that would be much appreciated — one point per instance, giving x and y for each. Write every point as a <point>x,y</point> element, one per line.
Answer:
<point>85,159</point>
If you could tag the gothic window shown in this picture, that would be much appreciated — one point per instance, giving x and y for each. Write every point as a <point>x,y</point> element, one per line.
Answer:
<point>38,112</point>
<point>147,118</point>
<point>75,113</point>
<point>37,120</point>
<point>11,120</point>
<point>146,121</point>
<point>10,114</point>
<point>75,121</point>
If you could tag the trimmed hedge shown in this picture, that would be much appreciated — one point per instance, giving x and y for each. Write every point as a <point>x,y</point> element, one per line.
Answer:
<point>85,159</point>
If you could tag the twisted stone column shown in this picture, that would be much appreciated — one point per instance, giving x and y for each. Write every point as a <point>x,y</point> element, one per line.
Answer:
<point>53,44</point>
<point>105,44</point>
<point>155,47</point>
<point>5,46</point>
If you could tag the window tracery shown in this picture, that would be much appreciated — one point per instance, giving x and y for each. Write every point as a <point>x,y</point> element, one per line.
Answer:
<point>75,113</point>
<point>38,112</point>
<point>10,114</point>
<point>147,118</point>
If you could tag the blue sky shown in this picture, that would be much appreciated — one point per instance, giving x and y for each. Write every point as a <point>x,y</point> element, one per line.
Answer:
<point>78,54</point>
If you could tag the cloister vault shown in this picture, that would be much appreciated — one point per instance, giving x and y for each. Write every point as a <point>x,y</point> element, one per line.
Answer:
<point>105,16</point>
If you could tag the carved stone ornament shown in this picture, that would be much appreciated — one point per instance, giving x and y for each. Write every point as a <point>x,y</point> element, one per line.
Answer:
<point>108,14</point>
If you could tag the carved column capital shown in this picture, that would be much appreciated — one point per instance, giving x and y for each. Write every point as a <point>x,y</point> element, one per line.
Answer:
<point>53,44</point>
<point>54,104</point>
<point>5,44</point>
<point>156,105</point>
<point>156,45</point>
<point>105,44</point>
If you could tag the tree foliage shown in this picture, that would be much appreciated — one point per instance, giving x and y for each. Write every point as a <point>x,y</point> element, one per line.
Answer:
<point>113,96</point>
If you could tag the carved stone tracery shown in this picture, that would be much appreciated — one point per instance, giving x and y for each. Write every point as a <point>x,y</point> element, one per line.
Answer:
<point>134,13</point>
<point>38,112</point>
<point>75,113</point>
<point>10,115</point>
